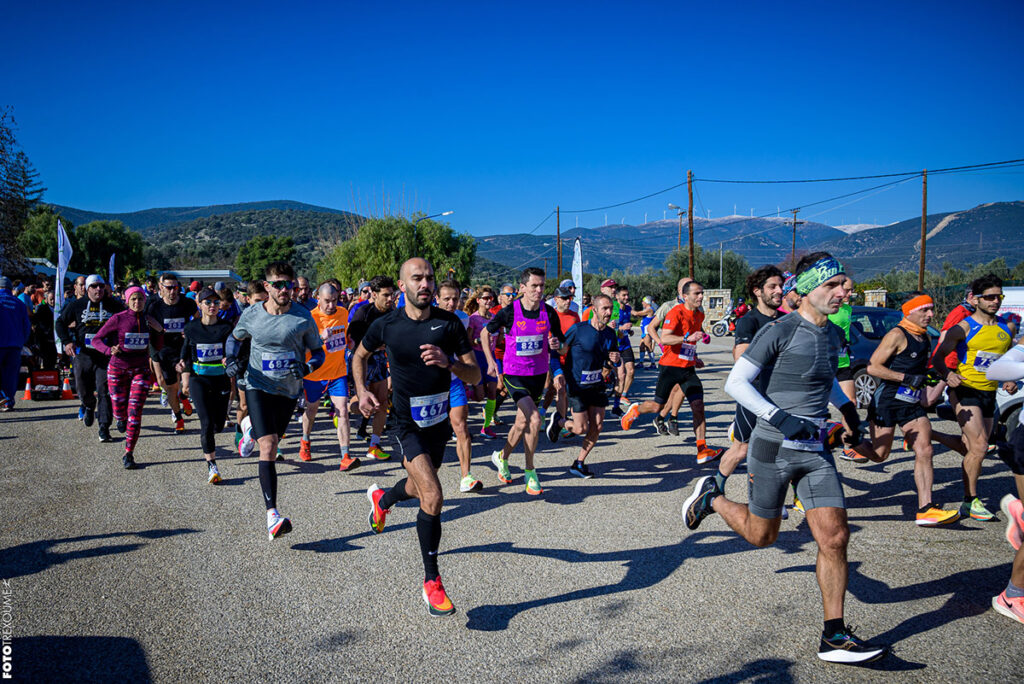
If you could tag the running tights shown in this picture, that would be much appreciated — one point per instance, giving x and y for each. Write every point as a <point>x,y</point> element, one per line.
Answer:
<point>210,395</point>
<point>129,388</point>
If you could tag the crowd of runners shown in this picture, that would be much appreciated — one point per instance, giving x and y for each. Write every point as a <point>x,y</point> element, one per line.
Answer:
<point>405,359</point>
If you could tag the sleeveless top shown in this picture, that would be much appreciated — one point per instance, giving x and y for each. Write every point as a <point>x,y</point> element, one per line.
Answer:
<point>526,344</point>
<point>982,345</point>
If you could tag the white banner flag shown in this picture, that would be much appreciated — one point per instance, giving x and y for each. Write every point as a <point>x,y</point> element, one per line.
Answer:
<point>577,273</point>
<point>111,270</point>
<point>64,252</point>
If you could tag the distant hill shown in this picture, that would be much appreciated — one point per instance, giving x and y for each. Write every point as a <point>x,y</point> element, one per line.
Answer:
<point>148,219</point>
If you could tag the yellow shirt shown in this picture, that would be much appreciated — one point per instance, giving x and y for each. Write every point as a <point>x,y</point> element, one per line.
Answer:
<point>982,345</point>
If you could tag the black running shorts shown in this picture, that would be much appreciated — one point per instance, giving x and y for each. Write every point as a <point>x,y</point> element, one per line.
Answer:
<point>521,386</point>
<point>430,442</point>
<point>968,396</point>
<point>581,399</point>
<point>269,413</point>
<point>686,378</point>
<point>887,411</point>
<point>627,355</point>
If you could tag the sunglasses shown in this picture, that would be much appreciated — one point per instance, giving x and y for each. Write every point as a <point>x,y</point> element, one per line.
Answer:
<point>211,301</point>
<point>992,297</point>
<point>485,297</point>
<point>507,294</point>
<point>281,284</point>
<point>95,285</point>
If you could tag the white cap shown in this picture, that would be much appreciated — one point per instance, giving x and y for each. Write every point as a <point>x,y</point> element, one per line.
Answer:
<point>94,280</point>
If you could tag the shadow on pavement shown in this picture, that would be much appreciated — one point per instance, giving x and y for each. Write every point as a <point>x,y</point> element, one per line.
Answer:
<point>79,659</point>
<point>33,557</point>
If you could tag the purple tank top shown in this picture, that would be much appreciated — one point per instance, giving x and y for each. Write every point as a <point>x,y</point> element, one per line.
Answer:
<point>526,344</point>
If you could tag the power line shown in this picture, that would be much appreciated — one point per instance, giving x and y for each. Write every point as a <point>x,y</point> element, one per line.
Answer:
<point>949,169</point>
<point>621,204</point>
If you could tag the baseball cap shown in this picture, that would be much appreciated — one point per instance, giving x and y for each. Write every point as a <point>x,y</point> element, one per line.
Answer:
<point>194,287</point>
<point>363,285</point>
<point>562,293</point>
<point>349,291</point>
<point>609,283</point>
<point>5,283</point>
<point>219,285</point>
<point>94,280</point>
<point>207,293</point>
<point>567,283</point>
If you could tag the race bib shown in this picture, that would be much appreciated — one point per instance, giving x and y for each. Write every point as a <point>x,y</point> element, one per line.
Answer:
<point>277,364</point>
<point>590,377</point>
<point>984,359</point>
<point>529,345</point>
<point>817,444</point>
<point>174,325</point>
<point>429,410</point>
<point>688,352</point>
<point>335,341</point>
<point>911,395</point>
<point>88,340</point>
<point>209,353</point>
<point>136,341</point>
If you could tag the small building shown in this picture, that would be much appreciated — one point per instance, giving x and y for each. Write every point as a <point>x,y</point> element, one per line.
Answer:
<point>207,277</point>
<point>717,304</point>
<point>875,297</point>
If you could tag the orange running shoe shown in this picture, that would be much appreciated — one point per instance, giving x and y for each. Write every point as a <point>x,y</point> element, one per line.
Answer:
<point>377,514</point>
<point>179,425</point>
<point>348,463</point>
<point>186,405</point>
<point>436,599</point>
<point>708,454</point>
<point>629,416</point>
<point>305,450</point>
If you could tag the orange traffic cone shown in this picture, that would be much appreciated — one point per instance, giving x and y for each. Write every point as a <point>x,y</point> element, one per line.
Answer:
<point>65,391</point>
<point>28,390</point>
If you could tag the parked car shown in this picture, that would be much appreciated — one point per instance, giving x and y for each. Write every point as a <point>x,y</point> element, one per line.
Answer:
<point>868,325</point>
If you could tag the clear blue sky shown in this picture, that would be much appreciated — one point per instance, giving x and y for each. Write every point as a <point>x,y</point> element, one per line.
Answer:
<point>499,113</point>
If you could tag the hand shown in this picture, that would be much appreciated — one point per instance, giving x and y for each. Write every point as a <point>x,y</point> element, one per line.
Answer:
<point>184,386</point>
<point>231,367</point>
<point>614,357</point>
<point>324,334</point>
<point>913,380</point>
<point>69,349</point>
<point>694,338</point>
<point>851,419</point>
<point>793,427</point>
<point>492,370</point>
<point>698,363</point>
<point>954,380</point>
<point>368,404</point>
<point>116,349</point>
<point>553,343</point>
<point>433,356</point>
<point>180,366</point>
<point>1010,387</point>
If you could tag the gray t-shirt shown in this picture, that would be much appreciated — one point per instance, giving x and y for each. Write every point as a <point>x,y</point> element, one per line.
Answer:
<point>278,347</point>
<point>798,363</point>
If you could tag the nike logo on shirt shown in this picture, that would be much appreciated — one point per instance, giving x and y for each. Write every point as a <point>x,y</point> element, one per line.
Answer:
<point>436,327</point>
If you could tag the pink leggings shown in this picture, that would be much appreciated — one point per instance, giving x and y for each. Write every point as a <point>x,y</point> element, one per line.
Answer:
<point>129,388</point>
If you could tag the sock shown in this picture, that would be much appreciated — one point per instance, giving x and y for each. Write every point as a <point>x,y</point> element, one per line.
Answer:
<point>720,480</point>
<point>428,528</point>
<point>238,427</point>
<point>305,436</point>
<point>618,399</point>
<point>344,452</point>
<point>1013,591</point>
<point>833,627</point>
<point>177,415</point>
<point>363,423</point>
<point>968,498</point>
<point>924,508</point>
<point>701,445</point>
<point>394,495</point>
<point>374,440</point>
<point>268,483</point>
<point>489,407</point>
<point>528,473</point>
<point>211,462</point>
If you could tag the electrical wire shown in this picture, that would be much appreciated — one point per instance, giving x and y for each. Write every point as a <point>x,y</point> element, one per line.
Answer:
<point>949,169</point>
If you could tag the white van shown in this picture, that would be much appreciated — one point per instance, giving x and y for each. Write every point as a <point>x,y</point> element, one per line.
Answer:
<point>1010,404</point>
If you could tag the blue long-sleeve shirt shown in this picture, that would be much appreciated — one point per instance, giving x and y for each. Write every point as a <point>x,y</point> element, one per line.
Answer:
<point>14,323</point>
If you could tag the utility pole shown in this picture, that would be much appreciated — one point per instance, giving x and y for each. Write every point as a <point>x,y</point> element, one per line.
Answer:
<point>719,265</point>
<point>689,215</point>
<point>546,267</point>
<point>924,227</point>
<point>558,237</point>
<point>792,254</point>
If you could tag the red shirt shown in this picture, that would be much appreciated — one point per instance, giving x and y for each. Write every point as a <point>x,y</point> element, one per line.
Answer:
<point>499,347</point>
<point>567,320</point>
<point>681,321</point>
<point>958,314</point>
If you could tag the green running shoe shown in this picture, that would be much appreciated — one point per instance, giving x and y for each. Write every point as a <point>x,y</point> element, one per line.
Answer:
<point>976,510</point>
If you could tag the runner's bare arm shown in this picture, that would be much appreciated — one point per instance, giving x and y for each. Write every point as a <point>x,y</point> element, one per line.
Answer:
<point>893,343</point>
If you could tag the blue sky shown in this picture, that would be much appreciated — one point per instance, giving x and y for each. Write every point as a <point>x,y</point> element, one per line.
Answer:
<point>500,111</point>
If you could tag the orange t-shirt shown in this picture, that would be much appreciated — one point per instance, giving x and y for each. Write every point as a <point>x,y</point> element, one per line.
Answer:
<point>681,321</point>
<point>334,346</point>
<point>566,320</point>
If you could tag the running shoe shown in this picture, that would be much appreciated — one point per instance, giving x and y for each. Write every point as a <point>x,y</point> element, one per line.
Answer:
<point>438,603</point>
<point>213,475</point>
<point>906,445</point>
<point>122,426</point>
<point>179,425</point>
<point>673,426</point>
<point>617,411</point>
<point>580,469</point>
<point>306,450</point>
<point>698,505</point>
<point>732,431</point>
<point>709,454</point>
<point>502,465</point>
<point>798,505</point>
<point>496,421</point>
<point>377,453</point>
<point>105,434</point>
<point>630,416</point>
<point>1012,608</point>
<point>533,487</point>
<point>470,484</point>
<point>1013,509</point>
<point>81,412</point>
<point>163,399</point>
<point>89,417</point>
<point>377,514</point>
<point>976,510</point>
<point>852,455</point>
<point>659,425</point>
<point>128,461</point>
<point>348,463</point>
<point>834,434</point>
<point>277,525</point>
<point>933,516</point>
<point>844,647</point>
<point>238,438</point>
<point>186,406</point>
<point>553,429</point>
<point>488,433</point>
<point>174,417</point>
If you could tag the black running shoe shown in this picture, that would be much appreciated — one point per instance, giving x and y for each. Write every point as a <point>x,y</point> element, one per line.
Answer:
<point>122,426</point>
<point>659,424</point>
<point>698,505</point>
<point>128,461</point>
<point>554,427</point>
<point>105,434</point>
<point>580,470</point>
<point>673,427</point>
<point>617,411</point>
<point>844,647</point>
<point>89,417</point>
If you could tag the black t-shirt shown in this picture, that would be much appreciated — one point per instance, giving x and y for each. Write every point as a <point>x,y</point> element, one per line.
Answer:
<point>749,324</point>
<point>361,320</point>
<point>206,341</point>
<point>419,391</point>
<point>173,318</point>
<point>505,318</point>
<point>588,351</point>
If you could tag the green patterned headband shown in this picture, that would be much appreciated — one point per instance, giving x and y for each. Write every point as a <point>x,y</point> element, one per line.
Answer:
<point>820,272</point>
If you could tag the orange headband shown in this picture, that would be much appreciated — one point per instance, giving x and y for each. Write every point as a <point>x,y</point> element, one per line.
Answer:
<point>916,303</point>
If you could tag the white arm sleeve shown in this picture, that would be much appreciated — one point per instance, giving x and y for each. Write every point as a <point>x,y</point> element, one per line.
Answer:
<point>739,386</point>
<point>837,397</point>
<point>1009,366</point>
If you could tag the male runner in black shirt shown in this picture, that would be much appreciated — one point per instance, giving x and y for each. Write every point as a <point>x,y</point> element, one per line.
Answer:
<point>172,311</point>
<point>420,340</point>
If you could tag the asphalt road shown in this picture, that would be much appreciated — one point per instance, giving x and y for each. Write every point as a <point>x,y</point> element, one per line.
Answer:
<point>155,575</point>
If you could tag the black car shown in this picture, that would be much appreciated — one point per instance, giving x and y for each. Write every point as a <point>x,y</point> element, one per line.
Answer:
<point>868,325</point>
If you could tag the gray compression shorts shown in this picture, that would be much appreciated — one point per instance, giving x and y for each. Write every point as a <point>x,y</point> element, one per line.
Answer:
<point>771,468</point>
